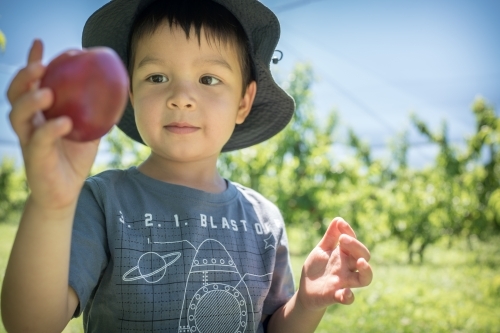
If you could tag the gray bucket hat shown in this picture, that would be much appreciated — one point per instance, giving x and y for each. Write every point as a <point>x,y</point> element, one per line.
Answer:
<point>272,109</point>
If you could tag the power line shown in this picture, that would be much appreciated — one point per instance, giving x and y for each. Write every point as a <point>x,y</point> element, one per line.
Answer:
<point>365,108</point>
<point>373,146</point>
<point>293,5</point>
<point>8,69</point>
<point>8,142</point>
<point>416,144</point>
<point>389,83</point>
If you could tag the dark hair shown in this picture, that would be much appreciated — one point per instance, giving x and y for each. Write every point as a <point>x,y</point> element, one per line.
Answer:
<point>218,23</point>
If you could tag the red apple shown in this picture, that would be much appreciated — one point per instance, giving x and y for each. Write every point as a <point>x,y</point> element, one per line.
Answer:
<point>91,87</point>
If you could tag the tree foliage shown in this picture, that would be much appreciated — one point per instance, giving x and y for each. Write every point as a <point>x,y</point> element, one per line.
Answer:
<point>13,190</point>
<point>123,152</point>
<point>470,176</point>
<point>299,170</point>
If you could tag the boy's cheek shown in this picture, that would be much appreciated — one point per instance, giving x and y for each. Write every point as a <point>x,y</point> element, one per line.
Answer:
<point>148,97</point>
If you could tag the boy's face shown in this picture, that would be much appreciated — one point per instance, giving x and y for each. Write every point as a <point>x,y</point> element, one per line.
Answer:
<point>187,96</point>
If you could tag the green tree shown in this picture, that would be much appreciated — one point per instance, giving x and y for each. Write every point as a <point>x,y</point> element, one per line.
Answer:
<point>470,176</point>
<point>294,168</point>
<point>13,190</point>
<point>402,201</point>
<point>484,150</point>
<point>122,151</point>
<point>300,171</point>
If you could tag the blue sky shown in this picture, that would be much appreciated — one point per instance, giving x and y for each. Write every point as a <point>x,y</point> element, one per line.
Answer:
<point>375,61</point>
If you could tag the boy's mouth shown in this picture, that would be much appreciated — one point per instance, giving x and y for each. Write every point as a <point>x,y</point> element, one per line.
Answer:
<point>181,128</point>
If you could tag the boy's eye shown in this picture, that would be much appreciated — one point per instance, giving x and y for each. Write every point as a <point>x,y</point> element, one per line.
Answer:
<point>209,80</point>
<point>157,78</point>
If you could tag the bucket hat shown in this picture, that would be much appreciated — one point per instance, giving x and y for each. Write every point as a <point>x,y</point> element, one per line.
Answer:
<point>272,108</point>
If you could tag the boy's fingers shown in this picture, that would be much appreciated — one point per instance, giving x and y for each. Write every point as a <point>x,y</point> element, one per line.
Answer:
<point>345,228</point>
<point>35,56</point>
<point>336,228</point>
<point>45,136</point>
<point>331,236</point>
<point>23,80</point>
<point>28,77</point>
<point>359,279</point>
<point>25,108</point>
<point>353,247</point>
<point>36,51</point>
<point>344,296</point>
<point>365,273</point>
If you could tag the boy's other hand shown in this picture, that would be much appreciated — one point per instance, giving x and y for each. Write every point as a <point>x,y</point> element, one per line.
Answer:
<point>55,167</point>
<point>338,263</point>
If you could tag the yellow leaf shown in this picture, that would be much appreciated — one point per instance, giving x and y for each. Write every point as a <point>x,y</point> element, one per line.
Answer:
<point>3,41</point>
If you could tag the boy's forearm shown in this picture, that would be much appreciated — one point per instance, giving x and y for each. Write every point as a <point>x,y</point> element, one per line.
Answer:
<point>293,317</point>
<point>35,287</point>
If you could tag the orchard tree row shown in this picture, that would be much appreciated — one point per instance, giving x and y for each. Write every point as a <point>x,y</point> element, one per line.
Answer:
<point>301,171</point>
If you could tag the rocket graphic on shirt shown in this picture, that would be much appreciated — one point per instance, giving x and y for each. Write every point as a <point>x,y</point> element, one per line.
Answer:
<point>216,298</point>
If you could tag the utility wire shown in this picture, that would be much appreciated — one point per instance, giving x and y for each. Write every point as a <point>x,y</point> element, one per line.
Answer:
<point>365,108</point>
<point>373,146</point>
<point>416,144</point>
<point>293,5</point>
<point>394,85</point>
<point>8,69</point>
<point>8,142</point>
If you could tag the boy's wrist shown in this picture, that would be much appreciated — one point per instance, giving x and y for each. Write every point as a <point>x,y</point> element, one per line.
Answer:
<point>52,212</point>
<point>303,304</point>
<point>295,317</point>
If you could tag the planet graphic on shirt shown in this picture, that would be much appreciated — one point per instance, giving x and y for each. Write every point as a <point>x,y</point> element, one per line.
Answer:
<point>151,267</point>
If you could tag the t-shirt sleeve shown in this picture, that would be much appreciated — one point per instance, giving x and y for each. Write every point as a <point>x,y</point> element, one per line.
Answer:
<point>282,285</point>
<point>89,250</point>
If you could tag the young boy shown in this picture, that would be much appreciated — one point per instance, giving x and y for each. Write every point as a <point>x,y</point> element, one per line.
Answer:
<point>168,246</point>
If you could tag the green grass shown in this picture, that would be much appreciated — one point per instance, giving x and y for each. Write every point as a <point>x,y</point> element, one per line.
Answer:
<point>455,290</point>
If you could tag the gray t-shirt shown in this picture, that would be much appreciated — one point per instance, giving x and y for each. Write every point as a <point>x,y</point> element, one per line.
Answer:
<point>148,256</point>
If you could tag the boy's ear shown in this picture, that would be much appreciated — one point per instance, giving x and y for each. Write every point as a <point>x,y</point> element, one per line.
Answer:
<point>246,102</point>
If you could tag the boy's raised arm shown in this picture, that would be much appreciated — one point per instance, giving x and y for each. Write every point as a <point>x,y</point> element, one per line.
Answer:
<point>338,263</point>
<point>35,292</point>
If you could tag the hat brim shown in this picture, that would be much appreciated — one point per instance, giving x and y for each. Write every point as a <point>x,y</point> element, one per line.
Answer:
<point>272,108</point>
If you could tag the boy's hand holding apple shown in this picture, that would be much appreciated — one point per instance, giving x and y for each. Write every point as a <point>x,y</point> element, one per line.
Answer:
<point>83,94</point>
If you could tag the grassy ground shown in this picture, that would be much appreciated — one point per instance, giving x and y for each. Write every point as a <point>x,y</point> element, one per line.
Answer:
<point>455,290</point>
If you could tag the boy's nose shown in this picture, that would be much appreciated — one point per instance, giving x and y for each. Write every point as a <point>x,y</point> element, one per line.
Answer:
<point>181,98</point>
